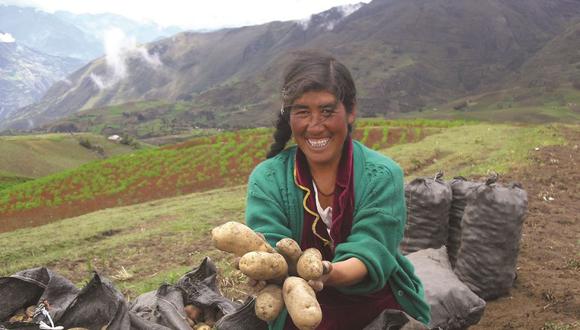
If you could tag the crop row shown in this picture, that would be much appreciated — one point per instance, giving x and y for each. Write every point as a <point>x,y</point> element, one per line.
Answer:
<point>199,164</point>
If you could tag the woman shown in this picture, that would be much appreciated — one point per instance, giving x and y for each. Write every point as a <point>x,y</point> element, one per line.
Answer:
<point>334,194</point>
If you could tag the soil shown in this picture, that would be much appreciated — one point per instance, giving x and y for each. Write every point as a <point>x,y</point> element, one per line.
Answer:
<point>546,294</point>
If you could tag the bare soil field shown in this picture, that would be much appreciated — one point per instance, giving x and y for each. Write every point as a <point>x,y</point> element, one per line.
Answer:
<point>546,294</point>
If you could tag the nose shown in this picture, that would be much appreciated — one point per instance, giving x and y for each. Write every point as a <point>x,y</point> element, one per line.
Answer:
<point>316,122</point>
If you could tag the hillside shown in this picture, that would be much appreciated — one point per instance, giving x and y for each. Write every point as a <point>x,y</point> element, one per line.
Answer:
<point>34,156</point>
<point>405,56</point>
<point>120,243</point>
<point>200,164</point>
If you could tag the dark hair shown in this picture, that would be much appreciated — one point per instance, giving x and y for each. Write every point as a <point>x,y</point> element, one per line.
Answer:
<point>311,71</point>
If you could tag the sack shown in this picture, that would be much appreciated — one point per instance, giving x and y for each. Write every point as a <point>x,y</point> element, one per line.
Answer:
<point>453,304</point>
<point>428,202</point>
<point>100,305</point>
<point>392,319</point>
<point>460,189</point>
<point>490,238</point>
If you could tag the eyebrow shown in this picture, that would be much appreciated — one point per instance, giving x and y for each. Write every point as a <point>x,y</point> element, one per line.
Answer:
<point>333,104</point>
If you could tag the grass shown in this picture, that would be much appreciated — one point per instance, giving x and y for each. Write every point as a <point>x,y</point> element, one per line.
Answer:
<point>176,230</point>
<point>34,156</point>
<point>473,150</point>
<point>158,241</point>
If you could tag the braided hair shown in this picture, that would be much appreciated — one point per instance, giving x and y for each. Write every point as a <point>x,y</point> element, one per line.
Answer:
<point>311,71</point>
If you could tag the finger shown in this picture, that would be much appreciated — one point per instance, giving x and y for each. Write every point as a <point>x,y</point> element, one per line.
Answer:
<point>316,285</point>
<point>326,267</point>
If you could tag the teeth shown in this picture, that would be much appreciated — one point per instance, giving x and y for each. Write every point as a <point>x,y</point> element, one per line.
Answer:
<point>318,143</point>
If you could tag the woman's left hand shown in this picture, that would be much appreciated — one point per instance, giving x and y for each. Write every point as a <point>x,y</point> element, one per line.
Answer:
<point>318,284</point>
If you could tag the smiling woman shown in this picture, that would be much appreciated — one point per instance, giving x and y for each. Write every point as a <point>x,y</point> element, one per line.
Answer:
<point>335,195</point>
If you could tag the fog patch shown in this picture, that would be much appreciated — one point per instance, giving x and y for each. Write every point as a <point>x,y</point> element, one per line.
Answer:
<point>119,48</point>
<point>6,37</point>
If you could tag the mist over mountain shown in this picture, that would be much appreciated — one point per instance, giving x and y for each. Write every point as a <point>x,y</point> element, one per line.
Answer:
<point>404,55</point>
<point>39,48</point>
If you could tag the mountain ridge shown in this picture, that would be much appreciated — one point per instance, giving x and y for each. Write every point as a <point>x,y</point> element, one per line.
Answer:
<point>405,56</point>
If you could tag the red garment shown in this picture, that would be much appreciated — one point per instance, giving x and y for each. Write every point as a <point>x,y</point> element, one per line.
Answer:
<point>339,311</point>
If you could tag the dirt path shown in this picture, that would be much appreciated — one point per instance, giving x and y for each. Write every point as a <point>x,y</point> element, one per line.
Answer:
<point>547,291</point>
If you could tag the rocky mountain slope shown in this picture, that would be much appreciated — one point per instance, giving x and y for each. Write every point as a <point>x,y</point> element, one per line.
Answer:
<point>25,74</point>
<point>405,55</point>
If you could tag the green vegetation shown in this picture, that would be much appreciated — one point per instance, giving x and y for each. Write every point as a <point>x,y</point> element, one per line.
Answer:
<point>34,156</point>
<point>202,163</point>
<point>474,149</point>
<point>128,237</point>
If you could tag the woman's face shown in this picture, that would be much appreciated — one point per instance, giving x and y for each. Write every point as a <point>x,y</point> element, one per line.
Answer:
<point>319,124</point>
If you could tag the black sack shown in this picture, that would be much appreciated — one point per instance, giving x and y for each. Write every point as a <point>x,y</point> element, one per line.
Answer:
<point>198,287</point>
<point>428,202</point>
<point>29,287</point>
<point>490,237</point>
<point>453,304</point>
<point>460,188</point>
<point>244,318</point>
<point>392,319</point>
<point>97,305</point>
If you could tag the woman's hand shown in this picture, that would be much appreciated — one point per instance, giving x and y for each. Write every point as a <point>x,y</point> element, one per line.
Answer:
<point>318,284</point>
<point>343,273</point>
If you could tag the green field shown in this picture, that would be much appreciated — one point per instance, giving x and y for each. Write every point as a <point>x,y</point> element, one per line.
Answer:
<point>199,164</point>
<point>34,156</point>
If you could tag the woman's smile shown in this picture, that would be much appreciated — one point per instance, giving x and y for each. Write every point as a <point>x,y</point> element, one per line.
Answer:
<point>319,125</point>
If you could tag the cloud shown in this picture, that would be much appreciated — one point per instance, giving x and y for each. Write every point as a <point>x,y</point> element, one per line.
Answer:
<point>6,37</point>
<point>119,48</point>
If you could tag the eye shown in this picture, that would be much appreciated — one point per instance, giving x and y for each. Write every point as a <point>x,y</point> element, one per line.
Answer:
<point>300,112</point>
<point>328,110</point>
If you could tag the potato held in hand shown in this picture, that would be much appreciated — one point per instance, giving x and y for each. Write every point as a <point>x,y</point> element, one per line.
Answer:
<point>309,265</point>
<point>238,239</point>
<point>269,303</point>
<point>291,252</point>
<point>260,266</point>
<point>301,303</point>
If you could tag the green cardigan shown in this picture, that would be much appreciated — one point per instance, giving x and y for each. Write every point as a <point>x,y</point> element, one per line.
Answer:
<point>274,208</point>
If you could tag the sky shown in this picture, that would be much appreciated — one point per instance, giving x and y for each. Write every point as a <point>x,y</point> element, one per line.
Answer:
<point>193,14</point>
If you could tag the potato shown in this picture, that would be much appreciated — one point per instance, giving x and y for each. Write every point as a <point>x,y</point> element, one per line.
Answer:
<point>291,251</point>
<point>193,312</point>
<point>259,265</point>
<point>309,266</point>
<point>201,326</point>
<point>238,239</point>
<point>301,303</point>
<point>269,303</point>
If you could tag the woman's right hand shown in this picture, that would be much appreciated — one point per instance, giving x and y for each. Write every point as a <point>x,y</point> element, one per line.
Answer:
<point>318,284</point>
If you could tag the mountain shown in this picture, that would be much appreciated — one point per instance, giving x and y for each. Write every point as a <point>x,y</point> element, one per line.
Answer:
<point>25,74</point>
<point>73,35</point>
<point>404,54</point>
<point>48,33</point>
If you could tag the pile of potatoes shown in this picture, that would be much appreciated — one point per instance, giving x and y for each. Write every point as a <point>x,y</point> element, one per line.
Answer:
<point>200,318</point>
<point>259,261</point>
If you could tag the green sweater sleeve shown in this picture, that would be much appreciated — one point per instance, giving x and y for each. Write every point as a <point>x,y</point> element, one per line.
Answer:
<point>378,226</point>
<point>265,211</point>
